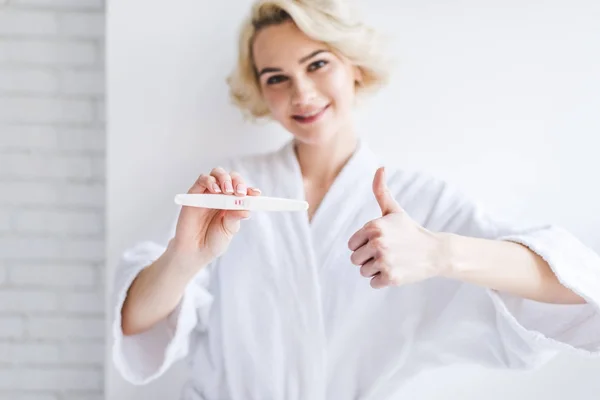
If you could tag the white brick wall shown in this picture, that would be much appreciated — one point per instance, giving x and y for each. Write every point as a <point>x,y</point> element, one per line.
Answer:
<point>62,4</point>
<point>52,151</point>
<point>60,52</point>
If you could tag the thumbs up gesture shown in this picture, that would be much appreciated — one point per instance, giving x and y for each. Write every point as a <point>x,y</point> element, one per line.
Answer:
<point>394,249</point>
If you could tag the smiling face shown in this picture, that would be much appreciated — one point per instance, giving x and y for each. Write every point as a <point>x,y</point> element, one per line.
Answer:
<point>308,88</point>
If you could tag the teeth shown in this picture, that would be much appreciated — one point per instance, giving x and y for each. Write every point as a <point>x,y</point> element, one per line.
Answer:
<point>311,114</point>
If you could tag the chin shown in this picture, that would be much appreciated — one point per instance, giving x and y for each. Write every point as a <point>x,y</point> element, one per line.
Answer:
<point>314,137</point>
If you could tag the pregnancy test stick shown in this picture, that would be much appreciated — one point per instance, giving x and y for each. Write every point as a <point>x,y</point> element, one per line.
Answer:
<point>250,203</point>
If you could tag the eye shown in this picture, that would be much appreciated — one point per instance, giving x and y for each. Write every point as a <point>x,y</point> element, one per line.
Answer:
<point>317,65</point>
<point>275,79</point>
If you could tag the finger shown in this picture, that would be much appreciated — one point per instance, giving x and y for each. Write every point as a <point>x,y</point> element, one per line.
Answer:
<point>231,220</point>
<point>252,191</point>
<point>362,236</point>
<point>357,240</point>
<point>237,214</point>
<point>369,269</point>
<point>209,182</point>
<point>239,185</point>
<point>386,201</point>
<point>379,281</point>
<point>363,254</point>
<point>197,188</point>
<point>223,179</point>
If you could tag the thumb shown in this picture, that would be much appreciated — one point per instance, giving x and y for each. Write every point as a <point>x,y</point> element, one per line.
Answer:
<point>387,203</point>
<point>231,220</point>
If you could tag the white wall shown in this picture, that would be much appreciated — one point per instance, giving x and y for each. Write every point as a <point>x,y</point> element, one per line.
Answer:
<point>52,144</point>
<point>498,97</point>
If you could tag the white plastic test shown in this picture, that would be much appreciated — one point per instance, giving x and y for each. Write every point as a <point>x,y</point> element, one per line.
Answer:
<point>250,203</point>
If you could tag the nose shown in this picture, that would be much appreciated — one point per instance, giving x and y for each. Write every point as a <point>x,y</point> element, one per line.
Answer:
<point>304,92</point>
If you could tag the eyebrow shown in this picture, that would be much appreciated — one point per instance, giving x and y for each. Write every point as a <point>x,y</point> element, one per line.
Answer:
<point>301,61</point>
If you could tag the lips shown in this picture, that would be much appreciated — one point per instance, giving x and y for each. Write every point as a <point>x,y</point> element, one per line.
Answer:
<point>310,116</point>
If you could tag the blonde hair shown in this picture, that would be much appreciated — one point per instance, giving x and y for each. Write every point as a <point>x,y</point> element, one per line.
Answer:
<point>333,22</point>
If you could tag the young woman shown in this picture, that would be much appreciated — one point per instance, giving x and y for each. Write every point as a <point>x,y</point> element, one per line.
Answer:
<point>388,274</point>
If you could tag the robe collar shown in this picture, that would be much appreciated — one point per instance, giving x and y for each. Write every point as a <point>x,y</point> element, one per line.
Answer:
<point>350,191</point>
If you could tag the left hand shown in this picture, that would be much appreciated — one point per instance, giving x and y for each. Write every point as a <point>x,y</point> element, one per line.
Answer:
<point>394,250</point>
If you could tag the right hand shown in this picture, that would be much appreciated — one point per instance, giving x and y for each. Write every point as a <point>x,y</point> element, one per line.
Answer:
<point>207,232</point>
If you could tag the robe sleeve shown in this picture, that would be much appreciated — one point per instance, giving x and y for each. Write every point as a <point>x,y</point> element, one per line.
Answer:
<point>148,355</point>
<point>533,332</point>
<point>144,357</point>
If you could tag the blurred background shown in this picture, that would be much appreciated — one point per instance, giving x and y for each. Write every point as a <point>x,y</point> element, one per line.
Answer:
<point>500,98</point>
<point>52,199</point>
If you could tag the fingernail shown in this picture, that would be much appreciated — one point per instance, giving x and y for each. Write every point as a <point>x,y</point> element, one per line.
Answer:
<point>241,188</point>
<point>228,187</point>
<point>244,219</point>
<point>216,188</point>
<point>256,190</point>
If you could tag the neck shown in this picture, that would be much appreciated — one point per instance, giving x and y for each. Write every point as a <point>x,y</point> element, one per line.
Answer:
<point>321,163</point>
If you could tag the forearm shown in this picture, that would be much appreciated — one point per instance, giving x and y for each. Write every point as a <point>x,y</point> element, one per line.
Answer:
<point>503,266</point>
<point>157,290</point>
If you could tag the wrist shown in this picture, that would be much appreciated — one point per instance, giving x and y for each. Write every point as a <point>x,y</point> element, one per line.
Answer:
<point>185,261</point>
<point>447,263</point>
<point>465,257</point>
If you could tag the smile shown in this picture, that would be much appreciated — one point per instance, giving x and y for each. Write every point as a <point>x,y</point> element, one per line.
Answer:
<point>311,116</point>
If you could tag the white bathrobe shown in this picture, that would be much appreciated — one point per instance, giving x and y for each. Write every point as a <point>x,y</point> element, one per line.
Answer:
<point>284,314</point>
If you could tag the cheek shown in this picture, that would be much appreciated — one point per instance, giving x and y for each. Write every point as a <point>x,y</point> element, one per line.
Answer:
<point>276,101</point>
<point>340,86</point>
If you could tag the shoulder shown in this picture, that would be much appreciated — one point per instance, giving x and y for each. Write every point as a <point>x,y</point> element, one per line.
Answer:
<point>440,205</point>
<point>429,199</point>
<point>417,185</point>
<point>258,162</point>
<point>248,162</point>
<point>259,169</point>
